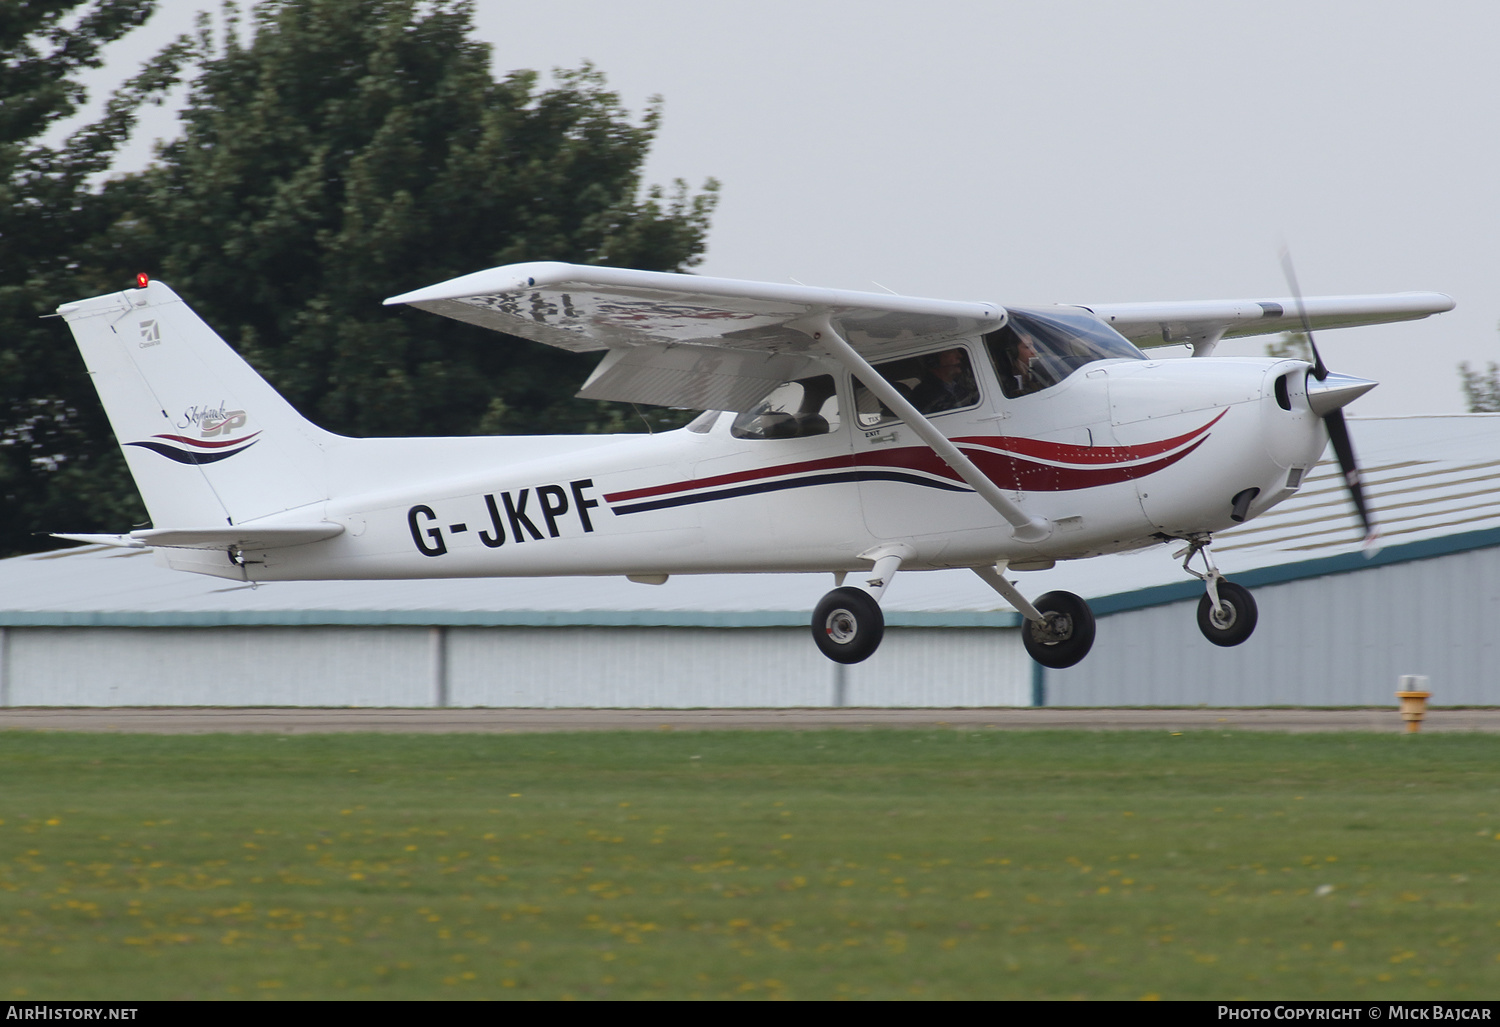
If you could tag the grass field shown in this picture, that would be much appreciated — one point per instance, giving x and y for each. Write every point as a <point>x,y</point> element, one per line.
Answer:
<point>952,864</point>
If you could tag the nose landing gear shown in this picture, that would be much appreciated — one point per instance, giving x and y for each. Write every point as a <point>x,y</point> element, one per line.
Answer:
<point>1227,612</point>
<point>1234,618</point>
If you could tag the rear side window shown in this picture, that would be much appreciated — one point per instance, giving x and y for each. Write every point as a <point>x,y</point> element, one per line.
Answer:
<point>794,410</point>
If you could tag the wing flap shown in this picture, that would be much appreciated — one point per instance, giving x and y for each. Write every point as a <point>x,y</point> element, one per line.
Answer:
<point>1164,324</point>
<point>698,377</point>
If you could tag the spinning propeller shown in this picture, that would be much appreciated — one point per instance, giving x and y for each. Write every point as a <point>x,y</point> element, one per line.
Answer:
<point>1327,395</point>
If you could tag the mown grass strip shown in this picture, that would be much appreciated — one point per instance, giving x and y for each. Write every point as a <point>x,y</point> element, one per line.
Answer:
<point>881,864</point>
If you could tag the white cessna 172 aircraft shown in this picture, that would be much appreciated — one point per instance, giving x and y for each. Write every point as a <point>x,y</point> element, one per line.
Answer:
<point>847,432</point>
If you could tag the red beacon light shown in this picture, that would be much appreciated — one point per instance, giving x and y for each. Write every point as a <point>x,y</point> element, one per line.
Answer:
<point>142,280</point>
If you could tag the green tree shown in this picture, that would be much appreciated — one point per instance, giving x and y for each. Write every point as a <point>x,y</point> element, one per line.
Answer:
<point>334,152</point>
<point>1290,346</point>
<point>59,467</point>
<point>1481,388</point>
<point>349,150</point>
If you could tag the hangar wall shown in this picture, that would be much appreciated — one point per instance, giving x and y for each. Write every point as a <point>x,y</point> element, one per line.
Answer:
<point>579,666</point>
<point>1334,630</point>
<point>1334,640</point>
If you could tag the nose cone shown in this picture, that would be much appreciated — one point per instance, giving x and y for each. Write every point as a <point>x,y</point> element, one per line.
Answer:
<point>1335,392</point>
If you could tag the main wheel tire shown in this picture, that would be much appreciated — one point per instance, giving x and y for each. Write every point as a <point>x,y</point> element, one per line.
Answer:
<point>1235,619</point>
<point>1068,634</point>
<point>847,625</point>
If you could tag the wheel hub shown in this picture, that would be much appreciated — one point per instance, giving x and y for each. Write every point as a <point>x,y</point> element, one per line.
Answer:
<point>1225,616</point>
<point>1058,627</point>
<point>841,626</point>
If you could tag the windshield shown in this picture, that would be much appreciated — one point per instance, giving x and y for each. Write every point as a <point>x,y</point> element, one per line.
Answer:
<point>1036,349</point>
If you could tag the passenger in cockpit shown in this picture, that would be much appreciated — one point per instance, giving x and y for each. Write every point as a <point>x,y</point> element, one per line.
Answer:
<point>946,384</point>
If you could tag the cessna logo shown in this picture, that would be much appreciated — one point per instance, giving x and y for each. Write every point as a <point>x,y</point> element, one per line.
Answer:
<point>213,422</point>
<point>514,511</point>
<point>150,334</point>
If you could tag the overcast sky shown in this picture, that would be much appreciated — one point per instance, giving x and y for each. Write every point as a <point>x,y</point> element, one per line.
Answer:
<point>1066,150</point>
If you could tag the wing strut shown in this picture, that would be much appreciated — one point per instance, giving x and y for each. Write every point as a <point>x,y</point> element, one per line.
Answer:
<point>1027,529</point>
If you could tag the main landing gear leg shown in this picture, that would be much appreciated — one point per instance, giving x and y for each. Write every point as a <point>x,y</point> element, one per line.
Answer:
<point>1226,613</point>
<point>1059,628</point>
<point>847,624</point>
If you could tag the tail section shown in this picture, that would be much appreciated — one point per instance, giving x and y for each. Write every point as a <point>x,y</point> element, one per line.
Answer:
<point>206,437</point>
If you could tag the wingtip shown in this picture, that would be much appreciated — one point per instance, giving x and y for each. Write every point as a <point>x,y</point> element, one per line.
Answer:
<point>503,279</point>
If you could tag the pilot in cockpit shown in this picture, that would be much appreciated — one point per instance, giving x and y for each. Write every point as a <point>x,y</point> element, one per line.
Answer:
<point>1018,376</point>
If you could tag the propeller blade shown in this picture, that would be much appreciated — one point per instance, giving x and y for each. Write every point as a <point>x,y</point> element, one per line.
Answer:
<point>1327,400</point>
<point>1338,434</point>
<point>1319,371</point>
<point>1329,404</point>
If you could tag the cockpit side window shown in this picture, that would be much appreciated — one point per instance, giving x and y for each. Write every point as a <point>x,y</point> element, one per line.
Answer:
<point>934,383</point>
<point>793,410</point>
<point>1036,350</point>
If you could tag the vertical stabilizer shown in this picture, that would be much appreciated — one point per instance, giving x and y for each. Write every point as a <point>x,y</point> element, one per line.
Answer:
<point>206,438</point>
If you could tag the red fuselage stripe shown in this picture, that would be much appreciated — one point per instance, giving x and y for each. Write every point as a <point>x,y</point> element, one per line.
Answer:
<point>1065,453</point>
<point>1002,468</point>
<point>204,443</point>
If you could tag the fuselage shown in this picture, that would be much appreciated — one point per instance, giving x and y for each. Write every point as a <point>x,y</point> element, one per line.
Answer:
<point>1117,455</point>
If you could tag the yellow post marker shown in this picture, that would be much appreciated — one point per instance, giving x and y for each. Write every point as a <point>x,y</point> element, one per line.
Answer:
<point>1413,696</point>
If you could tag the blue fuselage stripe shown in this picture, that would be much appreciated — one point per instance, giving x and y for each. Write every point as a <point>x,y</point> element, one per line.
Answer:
<point>832,478</point>
<point>185,457</point>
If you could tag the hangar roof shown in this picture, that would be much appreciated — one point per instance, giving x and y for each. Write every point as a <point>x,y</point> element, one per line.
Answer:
<point>1433,482</point>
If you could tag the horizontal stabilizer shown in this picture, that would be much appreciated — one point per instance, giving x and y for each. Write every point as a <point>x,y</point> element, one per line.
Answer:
<point>239,536</point>
<point>120,541</point>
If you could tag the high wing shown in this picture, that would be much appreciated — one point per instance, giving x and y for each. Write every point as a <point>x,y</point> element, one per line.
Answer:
<point>685,340</point>
<point>720,344</point>
<point>1205,322</point>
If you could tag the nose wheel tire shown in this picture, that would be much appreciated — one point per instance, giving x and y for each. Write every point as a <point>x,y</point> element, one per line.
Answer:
<point>1235,619</point>
<point>1065,636</point>
<point>847,625</point>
